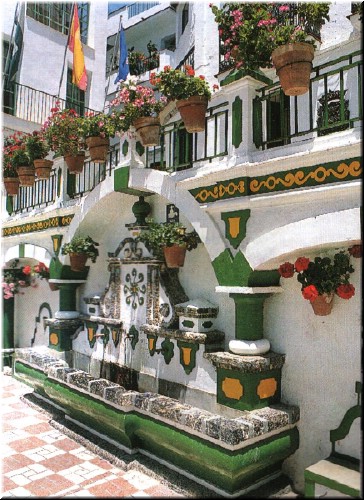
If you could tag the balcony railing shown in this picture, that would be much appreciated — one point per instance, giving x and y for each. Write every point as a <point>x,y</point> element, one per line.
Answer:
<point>188,60</point>
<point>334,102</point>
<point>143,65</point>
<point>46,192</point>
<point>30,104</point>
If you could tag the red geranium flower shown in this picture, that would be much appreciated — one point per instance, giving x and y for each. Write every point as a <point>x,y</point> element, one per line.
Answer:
<point>356,251</point>
<point>286,270</point>
<point>345,291</point>
<point>310,293</point>
<point>301,264</point>
<point>27,270</point>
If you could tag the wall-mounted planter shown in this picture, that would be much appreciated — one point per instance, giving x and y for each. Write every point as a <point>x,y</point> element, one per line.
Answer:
<point>148,128</point>
<point>11,185</point>
<point>293,63</point>
<point>26,175</point>
<point>98,148</point>
<point>174,256</point>
<point>43,168</point>
<point>193,111</point>
<point>75,162</point>
<point>322,305</point>
<point>78,261</point>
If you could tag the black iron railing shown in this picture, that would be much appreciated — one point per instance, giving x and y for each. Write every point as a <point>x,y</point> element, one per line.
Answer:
<point>30,104</point>
<point>41,194</point>
<point>143,65</point>
<point>188,60</point>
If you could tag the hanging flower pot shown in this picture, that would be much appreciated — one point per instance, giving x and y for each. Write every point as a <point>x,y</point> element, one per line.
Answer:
<point>43,168</point>
<point>174,256</point>
<point>75,162</point>
<point>98,147</point>
<point>322,305</point>
<point>11,185</point>
<point>26,175</point>
<point>193,111</point>
<point>78,261</point>
<point>148,128</point>
<point>293,63</point>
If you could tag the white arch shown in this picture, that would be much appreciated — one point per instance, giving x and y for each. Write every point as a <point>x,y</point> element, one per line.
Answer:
<point>328,230</point>
<point>30,252</point>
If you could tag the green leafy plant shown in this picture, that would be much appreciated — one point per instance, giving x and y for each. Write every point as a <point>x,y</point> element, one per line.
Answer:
<point>14,153</point>
<point>249,31</point>
<point>137,101</point>
<point>36,146</point>
<point>160,235</point>
<point>176,84</point>
<point>61,130</point>
<point>85,245</point>
<point>101,124</point>
<point>322,275</point>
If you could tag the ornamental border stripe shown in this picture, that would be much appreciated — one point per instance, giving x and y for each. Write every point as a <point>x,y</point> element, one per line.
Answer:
<point>338,171</point>
<point>31,227</point>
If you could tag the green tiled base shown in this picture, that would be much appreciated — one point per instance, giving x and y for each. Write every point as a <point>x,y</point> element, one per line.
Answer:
<point>228,470</point>
<point>248,391</point>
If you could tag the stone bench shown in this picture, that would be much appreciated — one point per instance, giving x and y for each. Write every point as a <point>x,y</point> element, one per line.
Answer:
<point>337,472</point>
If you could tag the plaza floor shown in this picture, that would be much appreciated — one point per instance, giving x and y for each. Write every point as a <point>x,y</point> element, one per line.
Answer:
<point>43,455</point>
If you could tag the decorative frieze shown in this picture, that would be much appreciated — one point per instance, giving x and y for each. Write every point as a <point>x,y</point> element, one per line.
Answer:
<point>42,225</point>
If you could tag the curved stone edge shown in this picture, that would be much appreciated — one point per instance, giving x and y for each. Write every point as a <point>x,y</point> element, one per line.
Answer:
<point>227,432</point>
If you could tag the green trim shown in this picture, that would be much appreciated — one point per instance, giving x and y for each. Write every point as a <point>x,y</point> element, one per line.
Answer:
<point>228,470</point>
<point>257,122</point>
<point>241,218</point>
<point>8,329</point>
<point>167,350</point>
<point>42,225</point>
<point>59,181</point>
<point>67,296</point>
<point>121,182</point>
<point>134,335</point>
<point>125,148</point>
<point>238,74</point>
<point>139,148</point>
<point>250,400</point>
<point>264,278</point>
<point>91,328</point>
<point>237,121</point>
<point>21,250</point>
<point>57,243</point>
<point>194,348</point>
<point>231,271</point>
<point>343,430</point>
<point>71,184</point>
<point>115,335</point>
<point>187,323</point>
<point>152,350</point>
<point>9,204</point>
<point>317,175</point>
<point>249,309</point>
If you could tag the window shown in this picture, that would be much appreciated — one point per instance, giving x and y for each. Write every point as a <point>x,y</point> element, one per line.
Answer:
<point>277,119</point>
<point>58,16</point>
<point>184,17</point>
<point>115,6</point>
<point>75,97</point>
<point>109,55</point>
<point>183,145</point>
<point>9,87</point>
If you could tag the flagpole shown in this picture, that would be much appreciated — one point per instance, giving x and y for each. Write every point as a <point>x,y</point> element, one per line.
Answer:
<point>112,59</point>
<point>65,50</point>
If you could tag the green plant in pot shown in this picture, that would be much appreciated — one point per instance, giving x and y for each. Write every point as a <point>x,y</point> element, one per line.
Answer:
<point>169,241</point>
<point>80,249</point>
<point>96,129</point>
<point>37,148</point>
<point>10,174</point>
<point>22,163</point>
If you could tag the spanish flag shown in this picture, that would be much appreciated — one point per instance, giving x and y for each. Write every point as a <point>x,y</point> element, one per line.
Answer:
<point>79,75</point>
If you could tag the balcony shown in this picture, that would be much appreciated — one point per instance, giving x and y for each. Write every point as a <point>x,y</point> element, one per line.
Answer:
<point>284,125</point>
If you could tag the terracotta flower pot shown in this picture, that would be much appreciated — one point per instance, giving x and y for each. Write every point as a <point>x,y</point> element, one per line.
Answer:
<point>174,256</point>
<point>78,261</point>
<point>193,111</point>
<point>293,63</point>
<point>98,147</point>
<point>322,305</point>
<point>43,168</point>
<point>11,185</point>
<point>148,129</point>
<point>26,175</point>
<point>75,162</point>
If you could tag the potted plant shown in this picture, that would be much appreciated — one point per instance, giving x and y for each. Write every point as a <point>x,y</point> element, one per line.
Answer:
<point>13,279</point>
<point>41,271</point>
<point>10,175</point>
<point>169,241</point>
<point>96,129</point>
<point>190,92</point>
<point>80,249</point>
<point>20,159</point>
<point>321,278</point>
<point>37,148</point>
<point>61,130</point>
<point>141,108</point>
<point>259,35</point>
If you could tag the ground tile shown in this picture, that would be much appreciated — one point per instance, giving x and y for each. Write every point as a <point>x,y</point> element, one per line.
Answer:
<point>117,487</point>
<point>50,485</point>
<point>161,490</point>
<point>66,444</point>
<point>139,480</point>
<point>26,444</point>
<point>61,462</point>
<point>43,452</point>
<point>15,462</point>
<point>39,428</point>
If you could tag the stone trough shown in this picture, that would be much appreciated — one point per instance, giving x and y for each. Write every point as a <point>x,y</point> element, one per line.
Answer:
<point>228,455</point>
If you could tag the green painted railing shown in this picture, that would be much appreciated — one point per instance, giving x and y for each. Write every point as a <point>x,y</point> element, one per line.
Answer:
<point>333,103</point>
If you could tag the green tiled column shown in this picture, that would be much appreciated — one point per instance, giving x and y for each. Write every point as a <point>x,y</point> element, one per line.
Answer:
<point>249,315</point>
